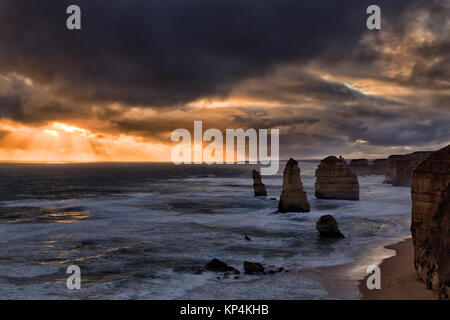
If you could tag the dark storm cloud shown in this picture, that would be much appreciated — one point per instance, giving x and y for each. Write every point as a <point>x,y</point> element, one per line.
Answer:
<point>25,103</point>
<point>293,87</point>
<point>163,53</point>
<point>419,37</point>
<point>309,131</point>
<point>159,56</point>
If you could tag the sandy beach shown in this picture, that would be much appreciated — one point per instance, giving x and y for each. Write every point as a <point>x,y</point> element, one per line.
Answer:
<point>398,277</point>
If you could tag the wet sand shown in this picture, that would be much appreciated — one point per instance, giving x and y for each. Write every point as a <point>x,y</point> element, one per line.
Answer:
<point>398,277</point>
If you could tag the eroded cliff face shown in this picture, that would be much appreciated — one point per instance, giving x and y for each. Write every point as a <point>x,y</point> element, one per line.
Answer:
<point>293,198</point>
<point>335,180</point>
<point>430,193</point>
<point>379,166</point>
<point>360,166</point>
<point>258,187</point>
<point>400,168</point>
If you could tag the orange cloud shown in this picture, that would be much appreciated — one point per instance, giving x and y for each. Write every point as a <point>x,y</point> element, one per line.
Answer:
<point>63,142</point>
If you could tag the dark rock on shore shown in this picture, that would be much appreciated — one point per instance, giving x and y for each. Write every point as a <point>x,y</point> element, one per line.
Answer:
<point>253,267</point>
<point>276,271</point>
<point>258,187</point>
<point>335,180</point>
<point>218,266</point>
<point>430,225</point>
<point>293,198</point>
<point>328,227</point>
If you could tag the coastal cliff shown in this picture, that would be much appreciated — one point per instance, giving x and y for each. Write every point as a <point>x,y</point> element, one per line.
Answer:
<point>362,167</point>
<point>400,168</point>
<point>379,166</point>
<point>293,198</point>
<point>430,193</point>
<point>335,180</point>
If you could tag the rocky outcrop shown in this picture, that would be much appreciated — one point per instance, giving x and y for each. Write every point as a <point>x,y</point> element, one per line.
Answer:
<point>293,198</point>
<point>441,246</point>
<point>379,166</point>
<point>390,168</point>
<point>218,266</point>
<point>430,193</point>
<point>258,187</point>
<point>359,163</point>
<point>253,267</point>
<point>360,166</point>
<point>328,227</point>
<point>400,168</point>
<point>335,180</point>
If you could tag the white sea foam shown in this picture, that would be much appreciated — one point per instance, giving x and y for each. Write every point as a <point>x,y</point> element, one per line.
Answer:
<point>142,244</point>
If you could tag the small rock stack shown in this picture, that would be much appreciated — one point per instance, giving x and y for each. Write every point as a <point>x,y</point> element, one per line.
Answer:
<point>379,166</point>
<point>328,227</point>
<point>360,166</point>
<point>258,187</point>
<point>293,198</point>
<point>335,180</point>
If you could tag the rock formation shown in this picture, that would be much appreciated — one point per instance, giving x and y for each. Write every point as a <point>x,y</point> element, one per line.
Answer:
<point>328,227</point>
<point>430,193</point>
<point>400,168</point>
<point>258,186</point>
<point>363,167</point>
<point>360,166</point>
<point>379,166</point>
<point>218,266</point>
<point>390,168</point>
<point>335,180</point>
<point>293,198</point>
<point>253,267</point>
<point>359,163</point>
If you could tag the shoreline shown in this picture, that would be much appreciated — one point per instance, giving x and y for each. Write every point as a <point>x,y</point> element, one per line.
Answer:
<point>398,277</point>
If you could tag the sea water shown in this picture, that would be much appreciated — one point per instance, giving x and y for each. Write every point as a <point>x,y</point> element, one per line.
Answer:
<point>145,231</point>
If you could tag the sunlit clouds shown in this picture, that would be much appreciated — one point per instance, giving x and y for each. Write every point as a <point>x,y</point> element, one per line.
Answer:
<point>116,91</point>
<point>60,142</point>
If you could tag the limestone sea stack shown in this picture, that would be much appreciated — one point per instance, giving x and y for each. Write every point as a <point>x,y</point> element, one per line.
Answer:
<point>293,198</point>
<point>379,166</point>
<point>390,168</point>
<point>430,193</point>
<point>328,227</point>
<point>258,187</point>
<point>400,168</point>
<point>360,166</point>
<point>335,180</point>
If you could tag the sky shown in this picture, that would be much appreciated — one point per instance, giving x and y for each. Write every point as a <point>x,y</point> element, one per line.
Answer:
<point>140,69</point>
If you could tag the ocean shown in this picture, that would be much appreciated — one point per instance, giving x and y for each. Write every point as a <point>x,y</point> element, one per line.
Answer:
<point>145,231</point>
